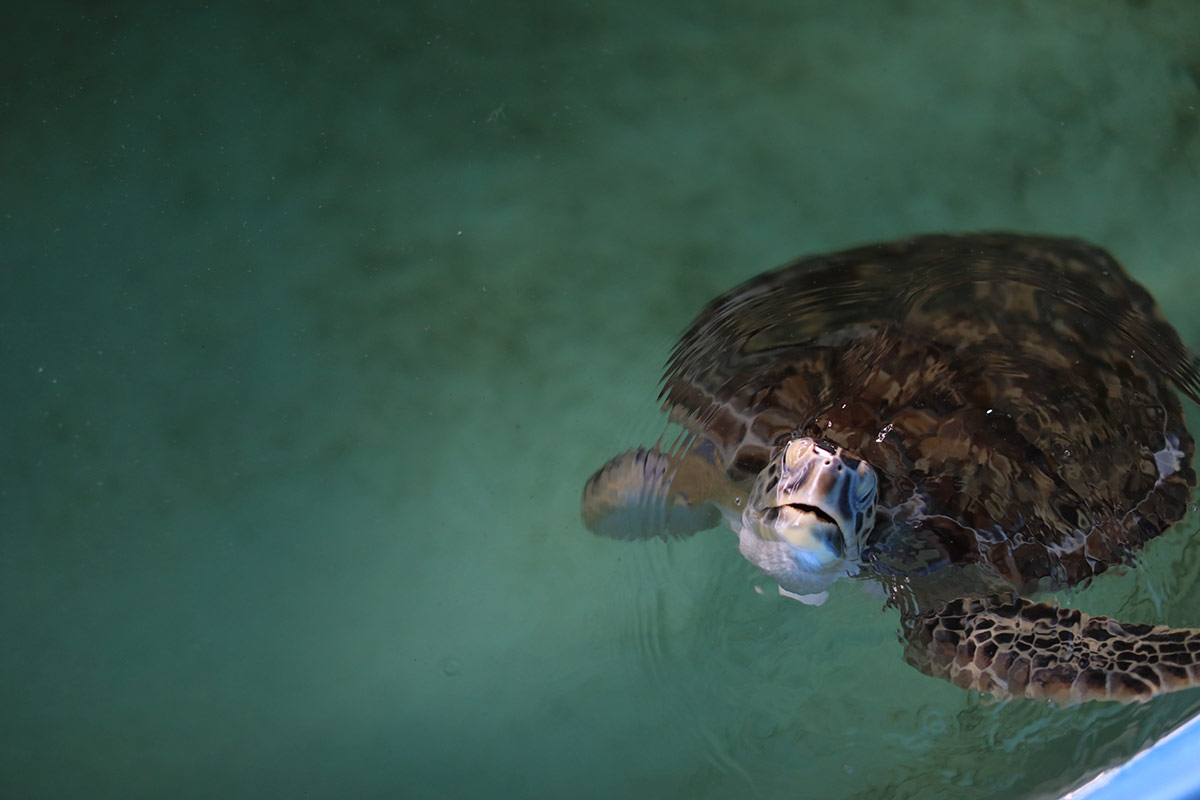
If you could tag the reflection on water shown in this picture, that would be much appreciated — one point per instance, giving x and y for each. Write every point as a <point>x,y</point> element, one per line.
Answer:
<point>783,695</point>
<point>766,681</point>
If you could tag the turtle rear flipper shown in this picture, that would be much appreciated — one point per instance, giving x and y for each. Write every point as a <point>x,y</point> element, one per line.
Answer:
<point>642,493</point>
<point>1017,648</point>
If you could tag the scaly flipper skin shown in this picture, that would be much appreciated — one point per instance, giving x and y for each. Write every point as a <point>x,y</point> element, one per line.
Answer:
<point>1019,648</point>
<point>643,493</point>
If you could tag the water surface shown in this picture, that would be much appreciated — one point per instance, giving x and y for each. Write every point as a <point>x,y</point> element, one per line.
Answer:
<point>315,318</point>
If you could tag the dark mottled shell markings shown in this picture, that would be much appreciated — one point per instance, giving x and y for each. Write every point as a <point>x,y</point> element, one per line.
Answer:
<point>1015,397</point>
<point>1011,391</point>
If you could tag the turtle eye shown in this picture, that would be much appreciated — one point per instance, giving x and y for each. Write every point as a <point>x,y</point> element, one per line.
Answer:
<point>864,487</point>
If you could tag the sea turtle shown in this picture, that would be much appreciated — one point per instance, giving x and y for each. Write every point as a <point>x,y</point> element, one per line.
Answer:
<point>966,420</point>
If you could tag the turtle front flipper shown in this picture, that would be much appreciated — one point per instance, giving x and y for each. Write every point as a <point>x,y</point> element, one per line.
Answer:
<point>643,493</point>
<point>1017,648</point>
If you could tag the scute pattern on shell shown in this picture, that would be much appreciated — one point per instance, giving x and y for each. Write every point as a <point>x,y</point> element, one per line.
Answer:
<point>1013,393</point>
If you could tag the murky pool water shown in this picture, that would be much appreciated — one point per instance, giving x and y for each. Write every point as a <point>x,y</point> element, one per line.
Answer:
<point>316,318</point>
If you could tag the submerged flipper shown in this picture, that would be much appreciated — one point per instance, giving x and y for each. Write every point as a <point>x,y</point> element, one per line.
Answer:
<point>1016,648</point>
<point>645,493</point>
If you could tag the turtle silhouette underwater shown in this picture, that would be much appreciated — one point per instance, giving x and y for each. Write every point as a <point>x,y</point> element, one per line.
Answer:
<point>967,420</point>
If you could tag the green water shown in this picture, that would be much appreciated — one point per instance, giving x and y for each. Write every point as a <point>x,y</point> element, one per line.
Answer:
<point>315,317</point>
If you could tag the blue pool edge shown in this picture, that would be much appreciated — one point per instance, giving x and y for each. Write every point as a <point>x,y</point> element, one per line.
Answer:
<point>1167,770</point>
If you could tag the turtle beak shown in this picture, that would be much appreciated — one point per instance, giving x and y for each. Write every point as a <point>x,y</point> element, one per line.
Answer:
<point>806,528</point>
<point>797,545</point>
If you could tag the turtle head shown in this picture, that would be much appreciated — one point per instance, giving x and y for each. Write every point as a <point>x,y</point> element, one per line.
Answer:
<point>808,515</point>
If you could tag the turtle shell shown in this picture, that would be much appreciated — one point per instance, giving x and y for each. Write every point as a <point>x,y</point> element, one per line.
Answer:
<point>1014,394</point>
